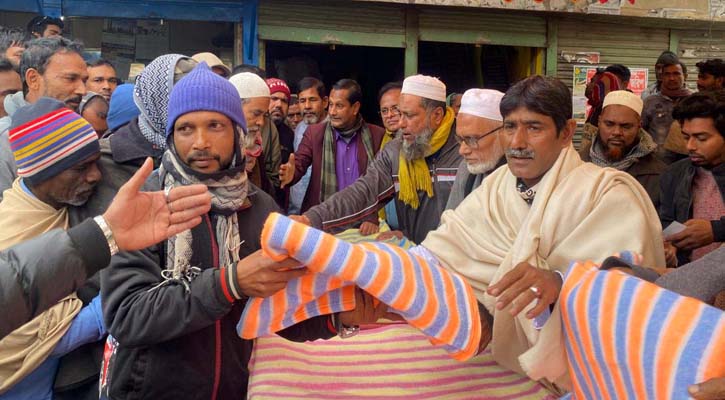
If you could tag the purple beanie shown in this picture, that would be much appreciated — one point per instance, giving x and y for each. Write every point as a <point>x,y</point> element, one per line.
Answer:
<point>203,90</point>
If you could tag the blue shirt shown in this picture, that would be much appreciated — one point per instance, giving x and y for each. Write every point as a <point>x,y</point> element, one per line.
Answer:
<point>298,190</point>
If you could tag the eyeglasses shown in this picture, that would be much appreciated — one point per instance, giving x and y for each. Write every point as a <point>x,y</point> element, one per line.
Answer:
<point>389,111</point>
<point>472,141</point>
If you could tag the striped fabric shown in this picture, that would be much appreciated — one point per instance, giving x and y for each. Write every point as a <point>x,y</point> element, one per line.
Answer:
<point>39,144</point>
<point>630,339</point>
<point>437,302</point>
<point>393,361</point>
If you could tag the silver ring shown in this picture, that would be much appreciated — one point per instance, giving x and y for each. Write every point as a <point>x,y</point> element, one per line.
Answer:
<point>535,290</point>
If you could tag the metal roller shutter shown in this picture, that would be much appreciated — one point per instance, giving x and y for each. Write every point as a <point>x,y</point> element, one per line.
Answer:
<point>696,46</point>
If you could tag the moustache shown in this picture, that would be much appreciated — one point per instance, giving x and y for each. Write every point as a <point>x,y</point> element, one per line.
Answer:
<point>520,153</point>
<point>201,155</point>
<point>75,99</point>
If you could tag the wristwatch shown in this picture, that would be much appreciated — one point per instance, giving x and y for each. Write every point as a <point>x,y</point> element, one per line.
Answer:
<point>101,222</point>
<point>344,331</point>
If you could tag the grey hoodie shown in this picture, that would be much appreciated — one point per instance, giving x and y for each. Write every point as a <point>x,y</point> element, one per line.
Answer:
<point>8,170</point>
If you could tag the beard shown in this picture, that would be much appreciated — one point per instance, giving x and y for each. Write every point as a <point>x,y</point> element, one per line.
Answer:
<point>79,196</point>
<point>419,147</point>
<point>616,153</point>
<point>492,158</point>
<point>276,115</point>
<point>310,118</point>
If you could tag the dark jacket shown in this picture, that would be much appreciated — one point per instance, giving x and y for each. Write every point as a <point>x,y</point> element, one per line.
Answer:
<point>380,185</point>
<point>676,198</point>
<point>309,153</point>
<point>645,170</point>
<point>36,274</point>
<point>175,343</point>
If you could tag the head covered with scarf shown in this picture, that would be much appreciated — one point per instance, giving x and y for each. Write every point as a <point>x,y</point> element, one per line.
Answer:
<point>203,90</point>
<point>152,91</point>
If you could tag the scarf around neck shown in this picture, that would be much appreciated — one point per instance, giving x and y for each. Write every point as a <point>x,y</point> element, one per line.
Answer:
<point>645,146</point>
<point>414,174</point>
<point>329,175</point>
<point>228,189</point>
<point>151,95</point>
<point>675,94</point>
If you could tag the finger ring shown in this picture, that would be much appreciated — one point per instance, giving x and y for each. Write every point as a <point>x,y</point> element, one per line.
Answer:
<point>535,290</point>
<point>167,190</point>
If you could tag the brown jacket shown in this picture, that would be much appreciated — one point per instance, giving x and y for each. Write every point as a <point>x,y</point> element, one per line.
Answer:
<point>309,153</point>
<point>646,171</point>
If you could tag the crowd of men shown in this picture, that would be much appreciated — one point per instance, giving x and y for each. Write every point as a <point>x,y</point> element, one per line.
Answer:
<point>487,184</point>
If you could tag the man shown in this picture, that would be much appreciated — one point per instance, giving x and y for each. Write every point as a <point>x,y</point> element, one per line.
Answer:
<point>710,74</point>
<point>216,64</point>
<point>389,99</point>
<point>622,72</point>
<point>620,143</point>
<point>416,169</point>
<point>337,151</point>
<point>477,128</point>
<point>454,101</point>
<point>515,236</point>
<point>38,272</point>
<point>102,78</point>
<point>94,109</point>
<point>657,112</point>
<point>313,103</point>
<point>693,188</point>
<point>9,83</point>
<point>666,58</point>
<point>203,277</point>
<point>12,45</point>
<point>278,108</point>
<point>56,152</point>
<point>294,113</point>
<point>51,67</point>
<point>45,27</point>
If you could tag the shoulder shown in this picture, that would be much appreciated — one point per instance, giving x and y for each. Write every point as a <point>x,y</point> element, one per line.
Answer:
<point>316,129</point>
<point>376,130</point>
<point>679,168</point>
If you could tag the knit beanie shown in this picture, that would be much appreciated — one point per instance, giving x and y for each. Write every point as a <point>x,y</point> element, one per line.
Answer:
<point>278,85</point>
<point>47,138</point>
<point>203,90</point>
<point>122,108</point>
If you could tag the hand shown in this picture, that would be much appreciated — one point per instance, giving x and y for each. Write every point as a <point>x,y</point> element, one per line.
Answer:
<point>368,228</point>
<point>141,219</point>
<point>301,219</point>
<point>260,276</point>
<point>365,312</point>
<point>670,255</point>
<point>714,389</point>
<point>389,235</point>
<point>516,285</point>
<point>287,171</point>
<point>698,233</point>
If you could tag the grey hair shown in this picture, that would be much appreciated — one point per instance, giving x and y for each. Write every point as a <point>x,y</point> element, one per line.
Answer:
<point>431,105</point>
<point>11,37</point>
<point>38,52</point>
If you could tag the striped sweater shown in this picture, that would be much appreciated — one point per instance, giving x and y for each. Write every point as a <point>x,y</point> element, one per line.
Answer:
<point>437,302</point>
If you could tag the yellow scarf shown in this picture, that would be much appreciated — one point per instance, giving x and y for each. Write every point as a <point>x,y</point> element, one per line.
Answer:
<point>386,138</point>
<point>414,175</point>
<point>24,217</point>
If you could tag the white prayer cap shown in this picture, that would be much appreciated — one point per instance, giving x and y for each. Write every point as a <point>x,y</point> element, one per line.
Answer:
<point>482,103</point>
<point>624,98</point>
<point>249,85</point>
<point>425,86</point>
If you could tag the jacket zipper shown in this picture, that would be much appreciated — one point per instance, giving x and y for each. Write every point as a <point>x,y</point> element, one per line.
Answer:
<point>218,323</point>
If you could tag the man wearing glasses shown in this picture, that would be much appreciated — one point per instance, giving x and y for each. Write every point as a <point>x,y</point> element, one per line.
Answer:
<point>477,126</point>
<point>388,99</point>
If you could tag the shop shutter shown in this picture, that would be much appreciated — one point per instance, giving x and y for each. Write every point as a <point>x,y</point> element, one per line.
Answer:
<point>698,45</point>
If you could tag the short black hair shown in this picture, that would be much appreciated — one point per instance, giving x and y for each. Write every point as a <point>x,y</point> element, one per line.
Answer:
<point>713,66</point>
<point>293,99</point>
<point>354,92</point>
<point>388,87</point>
<point>249,68</point>
<point>39,51</point>
<point>540,94</point>
<point>6,66</point>
<point>667,58</point>
<point>310,82</point>
<point>39,23</point>
<point>622,72</point>
<point>100,62</point>
<point>703,105</point>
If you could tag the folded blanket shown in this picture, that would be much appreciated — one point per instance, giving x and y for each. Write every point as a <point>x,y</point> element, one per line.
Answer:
<point>629,339</point>
<point>437,302</point>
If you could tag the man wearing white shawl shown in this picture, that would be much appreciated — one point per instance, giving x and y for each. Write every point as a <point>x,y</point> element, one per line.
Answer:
<point>515,235</point>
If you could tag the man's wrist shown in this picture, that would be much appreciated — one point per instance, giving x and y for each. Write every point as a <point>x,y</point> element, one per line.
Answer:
<point>100,220</point>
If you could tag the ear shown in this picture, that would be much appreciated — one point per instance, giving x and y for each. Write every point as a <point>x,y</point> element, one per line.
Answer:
<point>567,133</point>
<point>356,108</point>
<point>437,116</point>
<point>33,79</point>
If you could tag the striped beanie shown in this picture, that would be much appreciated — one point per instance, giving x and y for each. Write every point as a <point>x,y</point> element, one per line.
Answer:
<point>47,138</point>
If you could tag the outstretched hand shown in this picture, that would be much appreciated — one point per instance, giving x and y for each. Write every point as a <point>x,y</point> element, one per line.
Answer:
<point>141,219</point>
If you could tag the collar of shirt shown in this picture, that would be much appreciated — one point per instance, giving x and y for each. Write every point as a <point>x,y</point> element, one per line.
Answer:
<point>27,189</point>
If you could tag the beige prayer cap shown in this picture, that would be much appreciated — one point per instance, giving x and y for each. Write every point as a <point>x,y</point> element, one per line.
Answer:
<point>624,98</point>
<point>424,86</point>
<point>212,61</point>
<point>482,103</point>
<point>249,85</point>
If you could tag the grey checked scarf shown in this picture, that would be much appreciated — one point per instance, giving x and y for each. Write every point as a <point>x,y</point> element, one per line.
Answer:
<point>151,95</point>
<point>645,146</point>
<point>228,190</point>
<point>328,185</point>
